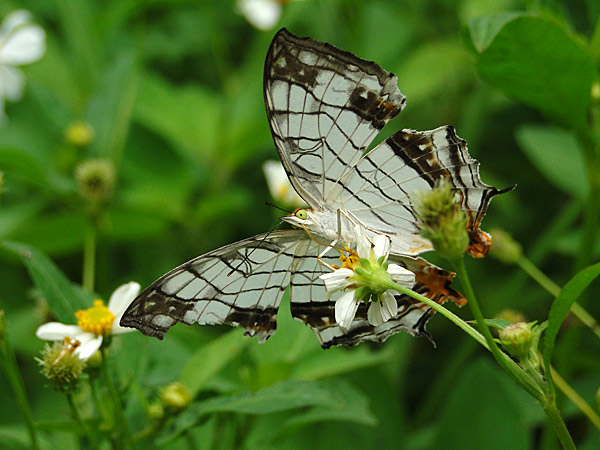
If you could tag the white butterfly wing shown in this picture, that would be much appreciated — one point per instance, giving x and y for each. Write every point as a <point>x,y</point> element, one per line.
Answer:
<point>240,284</point>
<point>380,189</point>
<point>324,107</point>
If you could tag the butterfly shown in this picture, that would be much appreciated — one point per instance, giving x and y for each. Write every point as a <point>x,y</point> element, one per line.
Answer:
<point>324,107</point>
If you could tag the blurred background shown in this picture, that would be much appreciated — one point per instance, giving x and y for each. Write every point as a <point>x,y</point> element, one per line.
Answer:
<point>165,98</point>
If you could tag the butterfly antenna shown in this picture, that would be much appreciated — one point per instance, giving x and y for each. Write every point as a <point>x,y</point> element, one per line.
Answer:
<point>277,207</point>
<point>259,244</point>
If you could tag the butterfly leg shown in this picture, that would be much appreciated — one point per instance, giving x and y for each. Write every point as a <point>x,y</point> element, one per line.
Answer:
<point>324,252</point>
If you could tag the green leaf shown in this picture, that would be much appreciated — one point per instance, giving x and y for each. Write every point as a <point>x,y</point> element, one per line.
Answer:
<point>63,296</point>
<point>562,305</point>
<point>284,396</point>
<point>536,61</point>
<point>338,360</point>
<point>211,358</point>
<point>351,406</point>
<point>482,30</point>
<point>112,107</point>
<point>187,116</point>
<point>501,324</point>
<point>494,407</point>
<point>557,155</point>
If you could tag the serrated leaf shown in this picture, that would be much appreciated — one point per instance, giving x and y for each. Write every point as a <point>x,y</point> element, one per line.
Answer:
<point>536,61</point>
<point>64,298</point>
<point>557,155</point>
<point>207,361</point>
<point>562,305</point>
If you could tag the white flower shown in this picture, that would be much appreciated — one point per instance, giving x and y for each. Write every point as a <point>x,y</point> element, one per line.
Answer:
<point>94,323</point>
<point>21,42</point>
<point>279,185</point>
<point>364,282</point>
<point>262,14</point>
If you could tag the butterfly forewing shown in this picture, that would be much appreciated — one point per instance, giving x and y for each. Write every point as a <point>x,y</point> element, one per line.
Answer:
<point>324,107</point>
<point>240,284</point>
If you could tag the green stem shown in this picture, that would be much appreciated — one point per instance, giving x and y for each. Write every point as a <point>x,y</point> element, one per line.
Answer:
<point>119,416</point>
<point>595,43</point>
<point>558,424</point>
<point>443,311</point>
<point>9,362</point>
<point>89,259</point>
<point>505,362</point>
<point>575,398</point>
<point>86,431</point>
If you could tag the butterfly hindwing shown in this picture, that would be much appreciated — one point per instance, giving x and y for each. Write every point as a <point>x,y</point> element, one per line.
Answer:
<point>239,284</point>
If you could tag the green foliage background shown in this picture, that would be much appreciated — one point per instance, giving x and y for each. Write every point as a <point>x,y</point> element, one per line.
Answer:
<point>173,92</point>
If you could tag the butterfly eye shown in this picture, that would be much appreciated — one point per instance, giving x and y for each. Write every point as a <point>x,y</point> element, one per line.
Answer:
<point>301,214</point>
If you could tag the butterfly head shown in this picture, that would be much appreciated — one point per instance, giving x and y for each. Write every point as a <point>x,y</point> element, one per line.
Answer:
<point>300,217</point>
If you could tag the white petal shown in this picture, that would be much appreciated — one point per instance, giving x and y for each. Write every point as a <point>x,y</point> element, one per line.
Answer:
<point>363,245</point>
<point>14,20</point>
<point>23,45</point>
<point>374,314</point>
<point>382,246</point>
<point>262,14</point>
<point>337,280</point>
<point>56,331</point>
<point>279,184</point>
<point>345,309</point>
<point>401,275</point>
<point>90,343</point>
<point>389,306</point>
<point>12,83</point>
<point>118,303</point>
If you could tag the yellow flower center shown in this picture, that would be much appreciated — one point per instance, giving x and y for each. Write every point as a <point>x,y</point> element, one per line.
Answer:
<point>350,261</point>
<point>98,319</point>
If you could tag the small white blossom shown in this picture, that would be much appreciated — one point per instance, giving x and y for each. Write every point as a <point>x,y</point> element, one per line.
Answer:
<point>21,42</point>
<point>279,185</point>
<point>261,14</point>
<point>94,323</point>
<point>383,305</point>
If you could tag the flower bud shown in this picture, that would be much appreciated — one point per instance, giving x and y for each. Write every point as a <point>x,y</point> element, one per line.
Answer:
<point>505,248</point>
<point>511,315</point>
<point>517,339</point>
<point>95,180</point>
<point>442,220</point>
<point>79,133</point>
<point>175,397</point>
<point>61,365</point>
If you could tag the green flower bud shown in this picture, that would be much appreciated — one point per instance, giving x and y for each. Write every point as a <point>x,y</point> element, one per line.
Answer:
<point>95,180</point>
<point>505,248</point>
<point>595,92</point>
<point>79,133</point>
<point>517,339</point>
<point>442,220</point>
<point>175,397</point>
<point>61,365</point>
<point>511,315</point>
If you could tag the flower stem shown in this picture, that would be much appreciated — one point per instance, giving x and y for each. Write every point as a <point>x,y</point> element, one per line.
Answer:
<point>558,424</point>
<point>504,360</point>
<point>89,259</point>
<point>119,416</point>
<point>9,363</point>
<point>86,431</point>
